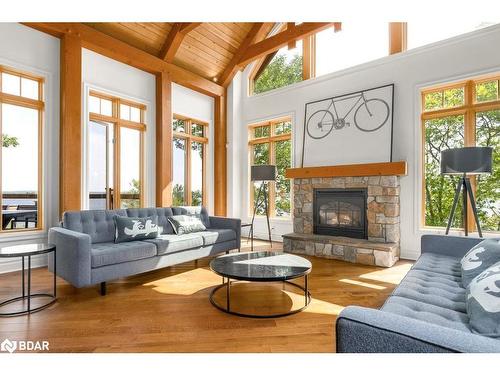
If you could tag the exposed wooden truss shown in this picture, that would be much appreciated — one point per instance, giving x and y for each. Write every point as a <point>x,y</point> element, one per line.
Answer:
<point>174,40</point>
<point>123,52</point>
<point>258,32</point>
<point>275,42</point>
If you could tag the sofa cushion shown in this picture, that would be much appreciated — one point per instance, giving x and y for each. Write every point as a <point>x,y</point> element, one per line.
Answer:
<point>184,224</point>
<point>171,243</point>
<point>438,263</point>
<point>98,224</point>
<point>162,215</point>
<point>432,290</point>
<point>427,312</point>
<point>135,228</point>
<point>108,253</point>
<point>212,236</point>
<point>197,211</point>
<point>479,258</point>
<point>483,302</point>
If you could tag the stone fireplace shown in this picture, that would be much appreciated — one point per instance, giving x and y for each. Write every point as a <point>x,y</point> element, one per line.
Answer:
<point>355,219</point>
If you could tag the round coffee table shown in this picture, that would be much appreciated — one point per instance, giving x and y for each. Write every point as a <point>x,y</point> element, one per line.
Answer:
<point>28,251</point>
<point>262,266</point>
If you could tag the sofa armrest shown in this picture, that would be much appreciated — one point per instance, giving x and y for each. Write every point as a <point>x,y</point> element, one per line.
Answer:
<point>72,256</point>
<point>364,330</point>
<point>219,222</point>
<point>454,246</point>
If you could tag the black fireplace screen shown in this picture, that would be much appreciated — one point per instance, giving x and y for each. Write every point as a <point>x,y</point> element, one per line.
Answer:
<point>340,212</point>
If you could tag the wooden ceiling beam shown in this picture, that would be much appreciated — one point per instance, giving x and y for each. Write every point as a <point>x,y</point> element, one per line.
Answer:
<point>174,39</point>
<point>257,33</point>
<point>117,50</point>
<point>282,39</point>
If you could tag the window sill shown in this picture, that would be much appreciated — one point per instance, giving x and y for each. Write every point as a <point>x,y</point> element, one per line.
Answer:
<point>273,219</point>
<point>455,232</point>
<point>22,235</point>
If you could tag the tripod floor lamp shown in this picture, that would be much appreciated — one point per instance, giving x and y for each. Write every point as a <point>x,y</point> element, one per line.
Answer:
<point>465,161</point>
<point>263,173</point>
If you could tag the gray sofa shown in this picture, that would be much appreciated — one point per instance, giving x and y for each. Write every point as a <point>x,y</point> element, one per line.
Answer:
<point>425,313</point>
<point>86,253</point>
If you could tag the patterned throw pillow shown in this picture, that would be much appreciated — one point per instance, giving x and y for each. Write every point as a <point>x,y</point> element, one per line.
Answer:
<point>480,257</point>
<point>483,302</point>
<point>135,228</point>
<point>184,224</point>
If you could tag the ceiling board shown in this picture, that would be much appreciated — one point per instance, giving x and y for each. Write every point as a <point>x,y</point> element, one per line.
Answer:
<point>206,50</point>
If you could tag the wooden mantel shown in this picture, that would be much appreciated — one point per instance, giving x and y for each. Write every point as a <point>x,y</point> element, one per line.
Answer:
<point>397,168</point>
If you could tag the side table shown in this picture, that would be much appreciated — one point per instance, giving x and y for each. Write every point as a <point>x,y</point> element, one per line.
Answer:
<point>23,251</point>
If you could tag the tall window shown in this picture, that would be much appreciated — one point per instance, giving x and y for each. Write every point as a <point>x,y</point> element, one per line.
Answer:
<point>21,122</point>
<point>189,157</point>
<point>115,144</point>
<point>270,143</point>
<point>425,32</point>
<point>462,114</point>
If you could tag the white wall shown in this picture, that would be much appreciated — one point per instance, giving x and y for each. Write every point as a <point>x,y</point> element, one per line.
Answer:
<point>464,56</point>
<point>24,48</point>
<point>115,78</point>
<point>192,104</point>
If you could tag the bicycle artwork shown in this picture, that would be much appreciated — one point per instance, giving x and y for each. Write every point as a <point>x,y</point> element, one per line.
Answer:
<point>367,111</point>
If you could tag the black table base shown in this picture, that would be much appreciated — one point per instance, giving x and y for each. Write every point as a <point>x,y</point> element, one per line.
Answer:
<point>227,309</point>
<point>27,295</point>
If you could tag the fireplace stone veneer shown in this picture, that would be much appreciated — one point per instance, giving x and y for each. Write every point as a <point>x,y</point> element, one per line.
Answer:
<point>383,219</point>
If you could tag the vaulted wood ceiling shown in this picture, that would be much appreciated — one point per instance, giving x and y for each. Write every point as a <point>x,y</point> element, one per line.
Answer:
<point>206,49</point>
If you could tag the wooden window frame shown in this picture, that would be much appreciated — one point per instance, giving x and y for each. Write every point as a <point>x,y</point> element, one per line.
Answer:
<point>38,105</point>
<point>188,137</point>
<point>469,110</point>
<point>271,139</point>
<point>119,123</point>
<point>397,43</point>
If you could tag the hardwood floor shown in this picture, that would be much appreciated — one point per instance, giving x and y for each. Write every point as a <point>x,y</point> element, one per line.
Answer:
<point>168,310</point>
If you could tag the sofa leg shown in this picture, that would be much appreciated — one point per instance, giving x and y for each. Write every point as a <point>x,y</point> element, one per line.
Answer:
<point>103,288</point>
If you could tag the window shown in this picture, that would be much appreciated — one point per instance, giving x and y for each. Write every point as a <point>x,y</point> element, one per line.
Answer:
<point>21,122</point>
<point>115,144</point>
<point>356,43</point>
<point>189,156</point>
<point>270,143</point>
<point>462,114</point>
<point>425,32</point>
<point>278,69</point>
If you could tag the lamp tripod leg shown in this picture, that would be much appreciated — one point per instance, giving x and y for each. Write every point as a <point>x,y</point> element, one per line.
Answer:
<point>455,202</point>
<point>473,205</point>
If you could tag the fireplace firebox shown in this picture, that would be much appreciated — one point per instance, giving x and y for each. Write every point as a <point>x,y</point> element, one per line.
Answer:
<point>340,212</point>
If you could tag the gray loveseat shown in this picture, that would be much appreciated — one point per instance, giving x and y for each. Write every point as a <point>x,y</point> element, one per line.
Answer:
<point>425,313</point>
<point>86,253</point>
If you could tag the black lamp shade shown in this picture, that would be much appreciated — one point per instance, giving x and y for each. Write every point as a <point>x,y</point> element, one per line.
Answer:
<point>472,160</point>
<point>263,173</point>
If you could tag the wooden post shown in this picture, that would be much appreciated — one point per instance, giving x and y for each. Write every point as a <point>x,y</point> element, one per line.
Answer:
<point>397,37</point>
<point>163,140</point>
<point>70,164</point>
<point>220,156</point>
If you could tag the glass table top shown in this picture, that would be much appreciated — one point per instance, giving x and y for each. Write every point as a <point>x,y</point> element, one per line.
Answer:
<point>26,249</point>
<point>261,266</point>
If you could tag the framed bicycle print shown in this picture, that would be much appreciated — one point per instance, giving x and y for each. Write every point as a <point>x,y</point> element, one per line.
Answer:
<point>349,129</point>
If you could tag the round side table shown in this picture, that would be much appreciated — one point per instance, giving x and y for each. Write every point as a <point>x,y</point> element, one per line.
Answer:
<point>27,251</point>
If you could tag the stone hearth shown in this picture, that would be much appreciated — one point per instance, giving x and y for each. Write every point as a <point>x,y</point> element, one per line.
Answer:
<point>382,246</point>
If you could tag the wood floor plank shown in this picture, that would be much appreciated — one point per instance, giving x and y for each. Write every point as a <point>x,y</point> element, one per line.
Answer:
<point>168,310</point>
